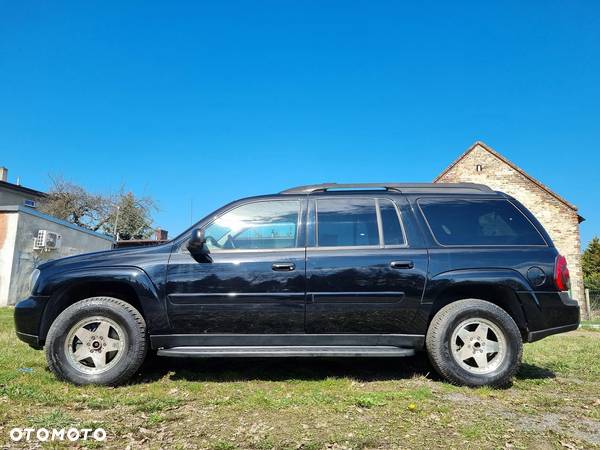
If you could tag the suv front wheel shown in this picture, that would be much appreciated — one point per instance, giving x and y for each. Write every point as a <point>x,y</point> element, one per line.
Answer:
<point>99,340</point>
<point>474,343</point>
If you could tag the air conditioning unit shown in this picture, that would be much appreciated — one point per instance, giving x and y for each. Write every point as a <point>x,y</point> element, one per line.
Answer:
<point>47,240</point>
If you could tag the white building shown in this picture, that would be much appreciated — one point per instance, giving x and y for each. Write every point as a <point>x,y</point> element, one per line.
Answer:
<point>29,237</point>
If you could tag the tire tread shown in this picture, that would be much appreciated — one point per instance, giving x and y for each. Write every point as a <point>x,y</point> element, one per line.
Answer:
<point>136,359</point>
<point>442,360</point>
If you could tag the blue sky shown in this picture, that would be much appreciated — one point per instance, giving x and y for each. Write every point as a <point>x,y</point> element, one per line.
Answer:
<point>203,103</point>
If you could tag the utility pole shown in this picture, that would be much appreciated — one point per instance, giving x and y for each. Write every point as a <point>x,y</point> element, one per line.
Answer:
<point>116,222</point>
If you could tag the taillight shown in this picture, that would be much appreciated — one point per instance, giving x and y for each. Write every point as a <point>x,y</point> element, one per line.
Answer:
<point>562,278</point>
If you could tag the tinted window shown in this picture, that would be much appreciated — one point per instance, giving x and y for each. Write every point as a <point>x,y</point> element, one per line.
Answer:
<point>259,225</point>
<point>346,222</point>
<point>478,222</point>
<point>392,231</point>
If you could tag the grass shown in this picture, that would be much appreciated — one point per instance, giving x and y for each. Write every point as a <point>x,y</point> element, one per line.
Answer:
<point>595,323</point>
<point>313,404</point>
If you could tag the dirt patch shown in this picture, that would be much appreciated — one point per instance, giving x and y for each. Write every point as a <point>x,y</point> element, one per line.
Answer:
<point>580,428</point>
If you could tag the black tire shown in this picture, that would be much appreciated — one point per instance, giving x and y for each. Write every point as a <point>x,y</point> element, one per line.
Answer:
<point>134,347</point>
<point>439,345</point>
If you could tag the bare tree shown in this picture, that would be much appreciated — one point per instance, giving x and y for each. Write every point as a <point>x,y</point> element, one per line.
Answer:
<point>132,216</point>
<point>96,212</point>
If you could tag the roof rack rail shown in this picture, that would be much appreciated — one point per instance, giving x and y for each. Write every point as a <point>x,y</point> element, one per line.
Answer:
<point>398,187</point>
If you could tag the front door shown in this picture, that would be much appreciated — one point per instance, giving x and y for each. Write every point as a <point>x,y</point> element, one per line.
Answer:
<point>362,275</point>
<point>255,283</point>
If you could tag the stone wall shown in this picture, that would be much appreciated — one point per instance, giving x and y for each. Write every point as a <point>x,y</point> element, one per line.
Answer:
<point>559,220</point>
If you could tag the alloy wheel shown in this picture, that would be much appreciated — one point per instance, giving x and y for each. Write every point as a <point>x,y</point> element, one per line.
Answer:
<point>478,345</point>
<point>95,344</point>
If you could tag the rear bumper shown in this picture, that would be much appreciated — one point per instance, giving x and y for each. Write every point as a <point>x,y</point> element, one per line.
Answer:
<point>549,313</point>
<point>533,336</point>
<point>28,316</point>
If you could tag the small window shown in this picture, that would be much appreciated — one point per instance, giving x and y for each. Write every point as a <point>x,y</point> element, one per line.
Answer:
<point>347,222</point>
<point>478,222</point>
<point>392,230</point>
<point>253,226</point>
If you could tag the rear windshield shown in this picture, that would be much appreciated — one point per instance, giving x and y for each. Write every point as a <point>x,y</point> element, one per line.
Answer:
<point>478,222</point>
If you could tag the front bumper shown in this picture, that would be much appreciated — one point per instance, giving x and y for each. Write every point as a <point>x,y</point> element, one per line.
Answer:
<point>28,317</point>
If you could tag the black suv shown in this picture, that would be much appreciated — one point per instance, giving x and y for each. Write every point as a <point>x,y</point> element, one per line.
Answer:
<point>458,270</point>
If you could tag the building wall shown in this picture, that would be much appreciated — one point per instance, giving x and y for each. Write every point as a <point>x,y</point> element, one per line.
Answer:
<point>12,197</point>
<point>17,256</point>
<point>560,221</point>
<point>8,234</point>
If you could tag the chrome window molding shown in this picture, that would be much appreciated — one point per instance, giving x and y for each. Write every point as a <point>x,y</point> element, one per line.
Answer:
<point>258,250</point>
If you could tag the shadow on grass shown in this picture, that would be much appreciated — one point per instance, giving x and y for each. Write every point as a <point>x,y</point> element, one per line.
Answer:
<point>282,369</point>
<point>531,372</point>
<point>306,369</point>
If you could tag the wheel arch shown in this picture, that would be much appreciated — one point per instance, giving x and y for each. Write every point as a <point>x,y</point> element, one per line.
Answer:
<point>131,285</point>
<point>497,287</point>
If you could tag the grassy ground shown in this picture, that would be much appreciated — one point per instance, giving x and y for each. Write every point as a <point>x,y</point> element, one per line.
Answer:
<point>314,404</point>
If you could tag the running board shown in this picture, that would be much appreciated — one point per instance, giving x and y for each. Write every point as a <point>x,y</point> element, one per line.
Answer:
<point>284,351</point>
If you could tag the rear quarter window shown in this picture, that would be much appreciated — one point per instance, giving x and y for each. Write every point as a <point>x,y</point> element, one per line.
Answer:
<point>478,222</point>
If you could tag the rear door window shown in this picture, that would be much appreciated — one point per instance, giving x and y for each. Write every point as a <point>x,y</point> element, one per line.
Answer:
<point>347,222</point>
<point>390,223</point>
<point>478,222</point>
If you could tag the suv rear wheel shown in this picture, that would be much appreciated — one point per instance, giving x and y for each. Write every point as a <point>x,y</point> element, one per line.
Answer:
<point>473,342</point>
<point>99,340</point>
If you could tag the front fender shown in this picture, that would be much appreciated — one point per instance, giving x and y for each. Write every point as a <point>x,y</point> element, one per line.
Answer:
<point>57,288</point>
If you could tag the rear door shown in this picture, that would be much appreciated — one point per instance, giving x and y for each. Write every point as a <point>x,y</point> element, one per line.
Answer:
<point>363,276</point>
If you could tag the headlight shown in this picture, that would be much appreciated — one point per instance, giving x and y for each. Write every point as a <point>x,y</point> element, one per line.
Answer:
<point>33,280</point>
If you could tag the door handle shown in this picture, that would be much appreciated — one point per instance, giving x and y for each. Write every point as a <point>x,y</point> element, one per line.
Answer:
<point>402,265</point>
<point>283,267</point>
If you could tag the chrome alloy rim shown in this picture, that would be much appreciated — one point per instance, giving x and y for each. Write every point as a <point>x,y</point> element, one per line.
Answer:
<point>95,344</point>
<point>478,345</point>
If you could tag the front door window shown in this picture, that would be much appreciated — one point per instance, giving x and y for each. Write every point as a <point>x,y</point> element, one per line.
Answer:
<point>263,225</point>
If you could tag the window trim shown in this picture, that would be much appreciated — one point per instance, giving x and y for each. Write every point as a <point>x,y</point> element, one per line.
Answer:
<point>257,250</point>
<point>418,202</point>
<point>379,223</point>
<point>381,244</point>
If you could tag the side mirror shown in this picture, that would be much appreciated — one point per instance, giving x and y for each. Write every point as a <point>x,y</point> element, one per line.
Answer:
<point>196,244</point>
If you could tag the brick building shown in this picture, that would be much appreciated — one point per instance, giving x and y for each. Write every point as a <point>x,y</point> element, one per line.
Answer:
<point>481,164</point>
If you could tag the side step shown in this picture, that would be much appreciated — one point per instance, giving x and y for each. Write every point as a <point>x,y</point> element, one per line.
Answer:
<point>284,351</point>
